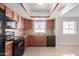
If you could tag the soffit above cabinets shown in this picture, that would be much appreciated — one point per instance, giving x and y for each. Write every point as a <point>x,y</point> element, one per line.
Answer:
<point>17,8</point>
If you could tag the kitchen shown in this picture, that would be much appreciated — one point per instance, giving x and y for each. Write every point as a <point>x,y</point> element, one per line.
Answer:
<point>39,29</point>
<point>21,33</point>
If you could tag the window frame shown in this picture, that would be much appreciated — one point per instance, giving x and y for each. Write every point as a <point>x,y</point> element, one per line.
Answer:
<point>38,30</point>
<point>69,28</point>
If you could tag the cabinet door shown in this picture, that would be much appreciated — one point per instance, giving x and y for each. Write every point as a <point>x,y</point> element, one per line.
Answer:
<point>30,24</point>
<point>39,41</point>
<point>2,6</point>
<point>22,23</point>
<point>26,41</point>
<point>19,23</point>
<point>31,41</point>
<point>26,24</point>
<point>15,16</point>
<point>9,12</point>
<point>8,50</point>
<point>50,24</point>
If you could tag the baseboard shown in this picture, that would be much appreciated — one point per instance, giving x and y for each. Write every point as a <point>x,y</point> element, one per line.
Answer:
<point>67,44</point>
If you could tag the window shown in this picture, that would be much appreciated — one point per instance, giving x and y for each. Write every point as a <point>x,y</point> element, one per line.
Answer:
<point>39,26</point>
<point>69,27</point>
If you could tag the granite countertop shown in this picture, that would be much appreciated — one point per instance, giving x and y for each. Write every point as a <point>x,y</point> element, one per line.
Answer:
<point>13,37</point>
<point>8,42</point>
<point>47,33</point>
<point>42,34</point>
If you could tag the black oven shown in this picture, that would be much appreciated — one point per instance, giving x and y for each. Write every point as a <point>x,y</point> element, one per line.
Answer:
<point>18,47</point>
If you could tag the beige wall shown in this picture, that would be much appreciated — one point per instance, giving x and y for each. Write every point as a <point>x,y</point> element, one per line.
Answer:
<point>70,39</point>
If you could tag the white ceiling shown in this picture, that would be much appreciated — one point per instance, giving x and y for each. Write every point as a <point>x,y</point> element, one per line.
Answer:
<point>74,12</point>
<point>37,9</point>
<point>66,10</point>
<point>33,9</point>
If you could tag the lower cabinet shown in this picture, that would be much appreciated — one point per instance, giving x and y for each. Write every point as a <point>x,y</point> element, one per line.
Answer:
<point>38,41</point>
<point>8,50</point>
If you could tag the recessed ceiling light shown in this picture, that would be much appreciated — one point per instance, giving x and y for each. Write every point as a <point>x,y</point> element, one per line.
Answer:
<point>39,4</point>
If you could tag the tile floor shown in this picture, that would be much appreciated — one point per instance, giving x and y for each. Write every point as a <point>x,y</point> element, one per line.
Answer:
<point>51,51</point>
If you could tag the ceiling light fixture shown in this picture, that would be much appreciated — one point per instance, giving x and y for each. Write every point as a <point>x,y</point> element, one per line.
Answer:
<point>39,4</point>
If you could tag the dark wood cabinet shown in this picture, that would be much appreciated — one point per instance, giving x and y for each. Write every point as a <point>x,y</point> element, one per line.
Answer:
<point>9,13</point>
<point>51,41</point>
<point>28,24</point>
<point>9,49</point>
<point>2,6</point>
<point>21,23</point>
<point>50,24</point>
<point>15,16</point>
<point>38,41</point>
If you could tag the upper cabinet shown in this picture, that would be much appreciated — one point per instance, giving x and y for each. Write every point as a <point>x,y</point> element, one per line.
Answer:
<point>28,24</point>
<point>9,12</point>
<point>15,16</point>
<point>50,24</point>
<point>13,20</point>
<point>2,6</point>
<point>21,23</point>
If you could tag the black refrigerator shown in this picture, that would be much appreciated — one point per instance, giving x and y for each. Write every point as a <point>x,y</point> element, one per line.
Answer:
<point>2,32</point>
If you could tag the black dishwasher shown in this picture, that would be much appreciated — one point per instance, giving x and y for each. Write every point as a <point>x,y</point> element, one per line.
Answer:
<point>18,49</point>
<point>51,41</point>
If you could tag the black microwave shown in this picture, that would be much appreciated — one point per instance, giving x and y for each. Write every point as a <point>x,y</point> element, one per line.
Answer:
<point>11,24</point>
